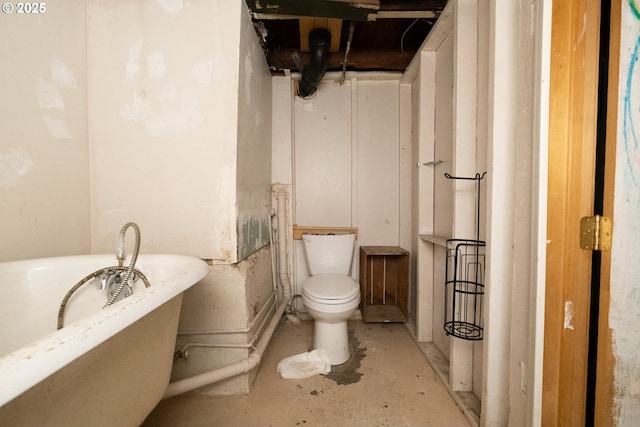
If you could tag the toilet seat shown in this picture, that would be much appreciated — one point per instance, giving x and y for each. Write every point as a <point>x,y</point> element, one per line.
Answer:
<point>307,299</point>
<point>331,300</point>
<point>331,289</point>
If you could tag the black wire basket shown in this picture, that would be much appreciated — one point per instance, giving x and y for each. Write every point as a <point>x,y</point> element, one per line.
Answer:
<point>464,289</point>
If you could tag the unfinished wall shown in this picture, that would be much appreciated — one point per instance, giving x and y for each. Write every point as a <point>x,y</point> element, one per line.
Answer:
<point>220,321</point>
<point>343,138</point>
<point>443,200</point>
<point>448,81</point>
<point>44,184</point>
<point>253,180</point>
<point>517,132</point>
<point>222,314</point>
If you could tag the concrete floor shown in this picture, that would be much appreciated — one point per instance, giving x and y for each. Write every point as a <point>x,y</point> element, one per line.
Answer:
<point>387,382</point>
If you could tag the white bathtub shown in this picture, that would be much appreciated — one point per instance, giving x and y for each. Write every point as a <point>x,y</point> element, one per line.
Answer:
<point>106,367</point>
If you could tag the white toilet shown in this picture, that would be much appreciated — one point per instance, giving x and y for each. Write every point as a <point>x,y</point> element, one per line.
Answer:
<point>330,295</point>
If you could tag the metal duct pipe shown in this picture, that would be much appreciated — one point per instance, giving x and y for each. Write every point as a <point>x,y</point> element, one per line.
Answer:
<point>319,42</point>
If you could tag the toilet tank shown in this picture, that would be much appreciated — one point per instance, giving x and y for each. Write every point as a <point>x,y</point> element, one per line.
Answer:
<point>329,253</point>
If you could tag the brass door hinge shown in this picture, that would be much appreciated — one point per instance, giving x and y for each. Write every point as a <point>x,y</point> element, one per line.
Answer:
<point>595,233</point>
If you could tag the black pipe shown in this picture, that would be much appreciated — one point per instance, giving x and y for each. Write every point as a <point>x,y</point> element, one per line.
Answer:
<point>319,41</point>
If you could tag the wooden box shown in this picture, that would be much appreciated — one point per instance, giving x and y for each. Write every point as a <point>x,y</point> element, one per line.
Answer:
<point>384,283</point>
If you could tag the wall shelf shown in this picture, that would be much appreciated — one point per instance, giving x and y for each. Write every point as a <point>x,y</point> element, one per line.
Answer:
<point>436,239</point>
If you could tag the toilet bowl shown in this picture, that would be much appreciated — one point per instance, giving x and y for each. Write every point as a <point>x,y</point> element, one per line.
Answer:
<point>330,295</point>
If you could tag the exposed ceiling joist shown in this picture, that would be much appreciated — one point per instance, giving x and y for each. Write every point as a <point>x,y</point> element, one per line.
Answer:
<point>387,33</point>
<point>407,14</point>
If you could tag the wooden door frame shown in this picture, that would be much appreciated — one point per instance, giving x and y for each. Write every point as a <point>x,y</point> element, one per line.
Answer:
<point>604,398</point>
<point>572,147</point>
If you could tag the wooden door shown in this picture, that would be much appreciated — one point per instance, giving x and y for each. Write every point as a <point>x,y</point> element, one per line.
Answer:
<point>566,390</point>
<point>572,148</point>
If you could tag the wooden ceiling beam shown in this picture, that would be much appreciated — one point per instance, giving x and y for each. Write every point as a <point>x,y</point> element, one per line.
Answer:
<point>358,59</point>
<point>334,26</point>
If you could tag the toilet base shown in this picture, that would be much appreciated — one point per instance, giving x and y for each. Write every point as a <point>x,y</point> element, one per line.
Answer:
<point>334,339</point>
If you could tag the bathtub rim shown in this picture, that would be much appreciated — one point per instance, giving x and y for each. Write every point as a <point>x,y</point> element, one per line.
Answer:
<point>28,365</point>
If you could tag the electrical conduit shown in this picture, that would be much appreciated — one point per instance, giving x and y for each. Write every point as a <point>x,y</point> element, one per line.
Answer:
<point>246,365</point>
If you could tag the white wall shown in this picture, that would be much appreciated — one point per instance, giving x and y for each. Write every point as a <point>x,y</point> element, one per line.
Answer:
<point>379,146</point>
<point>282,107</point>
<point>517,117</point>
<point>502,134</point>
<point>323,161</point>
<point>180,119</point>
<point>448,81</point>
<point>350,162</point>
<point>232,302</point>
<point>444,137</point>
<point>146,111</point>
<point>253,180</point>
<point>347,158</point>
<point>44,185</point>
<point>443,195</point>
<point>163,114</point>
<point>414,116</point>
<point>624,309</point>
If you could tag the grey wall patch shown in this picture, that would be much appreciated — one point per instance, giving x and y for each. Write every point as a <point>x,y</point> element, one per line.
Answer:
<point>254,234</point>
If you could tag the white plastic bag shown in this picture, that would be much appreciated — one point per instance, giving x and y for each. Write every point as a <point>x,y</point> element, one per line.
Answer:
<point>305,365</point>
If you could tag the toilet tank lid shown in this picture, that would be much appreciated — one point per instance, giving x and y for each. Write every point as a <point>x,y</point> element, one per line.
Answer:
<point>331,286</point>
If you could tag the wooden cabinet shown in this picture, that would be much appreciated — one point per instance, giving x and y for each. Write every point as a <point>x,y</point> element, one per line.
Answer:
<point>384,283</point>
